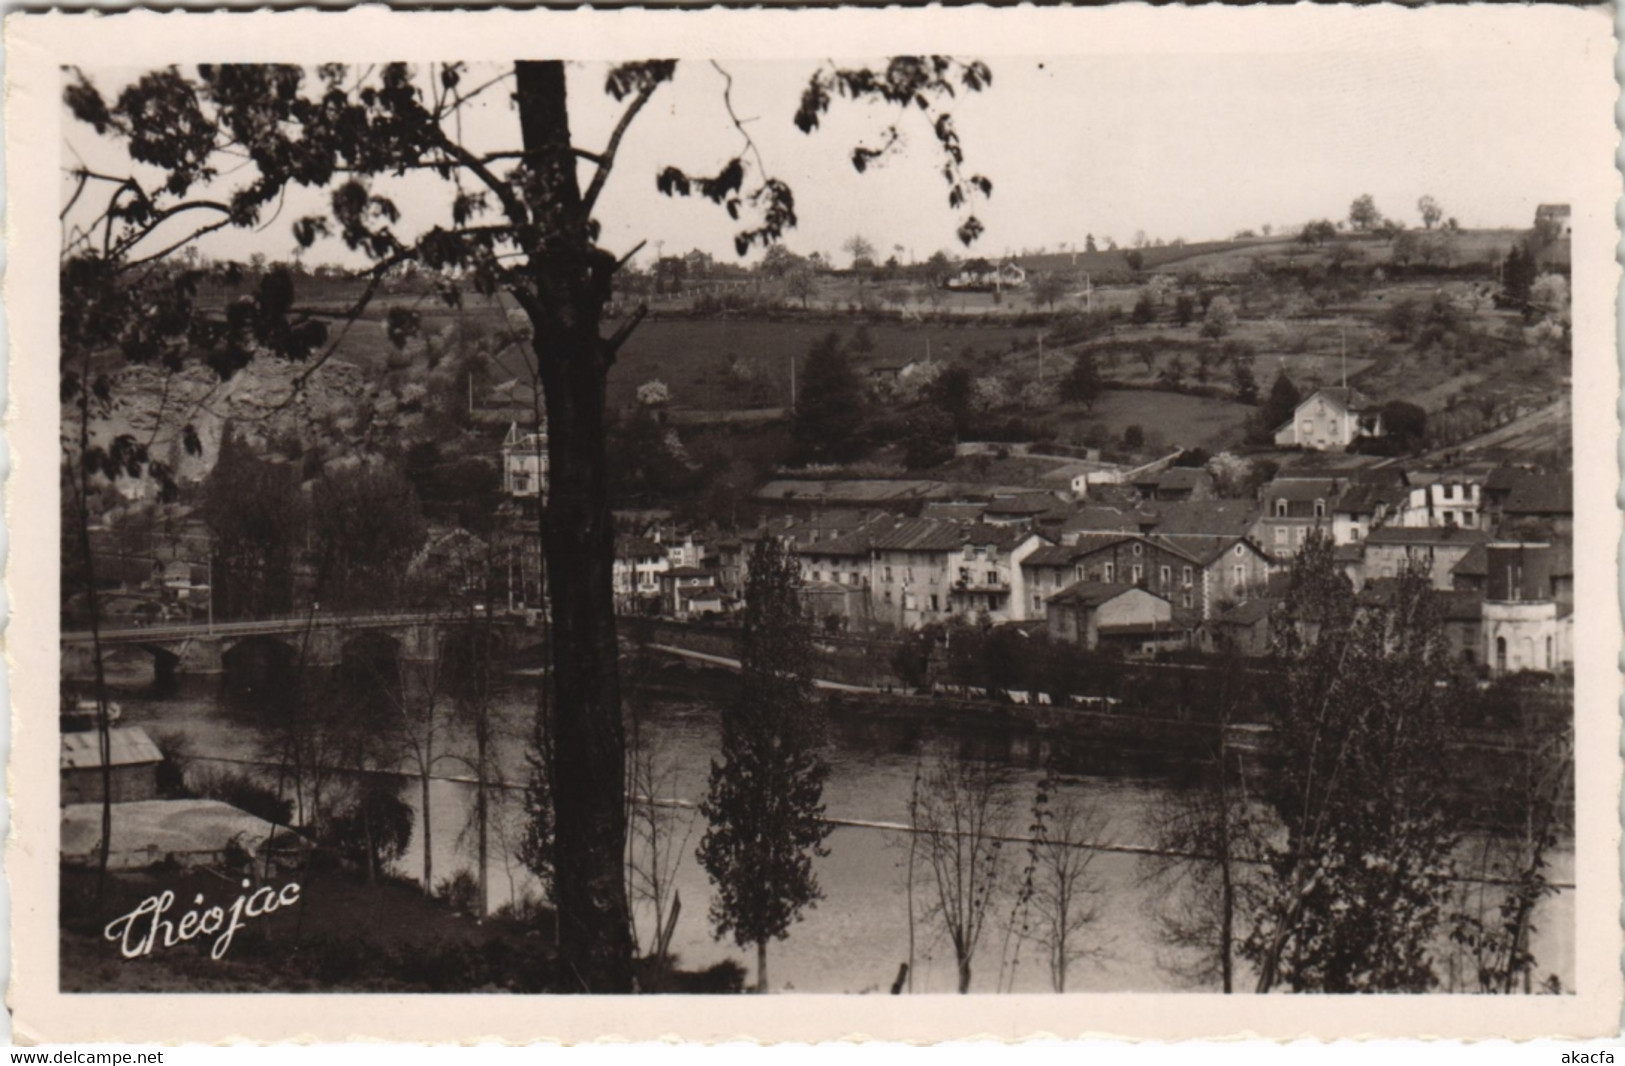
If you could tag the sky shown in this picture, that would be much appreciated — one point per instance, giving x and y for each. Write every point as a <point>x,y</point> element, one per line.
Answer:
<point>1192,146</point>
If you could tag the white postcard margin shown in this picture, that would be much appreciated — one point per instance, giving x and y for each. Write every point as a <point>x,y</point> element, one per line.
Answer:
<point>39,45</point>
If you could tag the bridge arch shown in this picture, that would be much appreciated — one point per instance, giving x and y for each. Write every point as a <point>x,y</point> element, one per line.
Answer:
<point>260,665</point>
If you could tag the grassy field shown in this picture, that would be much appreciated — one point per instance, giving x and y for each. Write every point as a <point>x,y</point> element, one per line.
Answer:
<point>1172,419</point>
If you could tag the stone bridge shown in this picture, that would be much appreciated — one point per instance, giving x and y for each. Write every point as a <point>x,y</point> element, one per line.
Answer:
<point>321,638</point>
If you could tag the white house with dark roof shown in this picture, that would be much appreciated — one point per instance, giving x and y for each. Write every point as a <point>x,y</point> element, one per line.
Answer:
<point>1330,419</point>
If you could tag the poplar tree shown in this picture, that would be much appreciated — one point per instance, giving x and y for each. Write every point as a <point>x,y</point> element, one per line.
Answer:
<point>765,805</point>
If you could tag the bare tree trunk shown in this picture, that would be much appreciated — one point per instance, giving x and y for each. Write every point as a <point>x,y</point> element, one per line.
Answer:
<point>964,974</point>
<point>761,967</point>
<point>428,834</point>
<point>481,807</point>
<point>104,725</point>
<point>589,746</point>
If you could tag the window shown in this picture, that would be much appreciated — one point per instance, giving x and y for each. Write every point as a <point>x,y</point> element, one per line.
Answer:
<point>934,606</point>
<point>1280,508</point>
<point>1303,534</point>
<point>1185,600</point>
<point>1166,575</point>
<point>1320,508</point>
<point>992,577</point>
<point>1137,572</point>
<point>1307,431</point>
<point>1238,578</point>
<point>1111,572</point>
<point>1238,551</point>
<point>887,597</point>
<point>888,573</point>
<point>1138,547</point>
<point>1189,576</point>
<point>908,601</point>
<point>1038,603</point>
<point>1450,492</point>
<point>1280,536</point>
<point>964,575</point>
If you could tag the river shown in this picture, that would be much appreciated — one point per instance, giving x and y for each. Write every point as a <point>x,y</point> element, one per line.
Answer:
<point>858,934</point>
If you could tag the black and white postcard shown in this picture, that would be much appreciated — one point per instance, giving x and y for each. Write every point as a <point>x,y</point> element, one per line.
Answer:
<point>1075,521</point>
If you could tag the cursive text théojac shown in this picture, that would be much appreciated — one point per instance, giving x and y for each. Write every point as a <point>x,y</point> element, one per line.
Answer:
<point>147,928</point>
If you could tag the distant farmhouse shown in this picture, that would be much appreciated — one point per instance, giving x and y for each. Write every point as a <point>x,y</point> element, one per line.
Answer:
<point>981,276</point>
<point>1330,419</point>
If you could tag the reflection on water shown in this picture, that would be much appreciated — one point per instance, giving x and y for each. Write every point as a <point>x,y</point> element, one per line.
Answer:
<point>854,939</point>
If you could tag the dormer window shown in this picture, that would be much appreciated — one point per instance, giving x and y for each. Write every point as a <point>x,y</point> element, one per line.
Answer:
<point>1280,508</point>
<point>1320,508</point>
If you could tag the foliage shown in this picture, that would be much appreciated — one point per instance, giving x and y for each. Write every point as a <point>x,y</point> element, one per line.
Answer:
<point>1363,214</point>
<point>1082,383</point>
<point>1282,404</point>
<point>519,219</point>
<point>374,829</point>
<point>1220,318</point>
<point>765,802</point>
<point>460,892</point>
<point>366,525</point>
<point>258,517</point>
<point>1352,895</point>
<point>928,438</point>
<point>1245,383</point>
<point>1405,425</point>
<point>242,792</point>
<point>827,424</point>
<point>1049,287</point>
<point>1430,211</point>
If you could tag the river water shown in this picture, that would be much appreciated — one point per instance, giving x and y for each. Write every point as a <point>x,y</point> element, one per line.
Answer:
<point>859,933</point>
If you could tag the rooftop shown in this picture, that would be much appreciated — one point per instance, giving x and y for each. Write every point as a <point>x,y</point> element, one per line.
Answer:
<point>1093,593</point>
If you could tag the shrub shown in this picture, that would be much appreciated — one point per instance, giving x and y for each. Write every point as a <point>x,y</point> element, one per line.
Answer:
<point>460,892</point>
<point>242,792</point>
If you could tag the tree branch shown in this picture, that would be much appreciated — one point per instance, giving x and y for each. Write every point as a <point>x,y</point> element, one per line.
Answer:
<point>607,161</point>
<point>624,332</point>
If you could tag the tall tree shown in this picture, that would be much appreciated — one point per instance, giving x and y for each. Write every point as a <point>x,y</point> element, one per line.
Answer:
<point>520,219</point>
<point>1082,383</point>
<point>827,424</point>
<point>366,526</point>
<point>1363,214</point>
<point>765,806</point>
<point>1353,894</point>
<point>961,814</point>
<point>1430,211</point>
<point>1281,405</point>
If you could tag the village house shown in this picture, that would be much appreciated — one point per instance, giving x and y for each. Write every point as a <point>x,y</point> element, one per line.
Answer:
<point>1092,613</point>
<point>1241,630</point>
<point>524,463</point>
<point>635,573</point>
<point>1515,499</point>
<point>688,592</point>
<point>1292,507</point>
<point>1437,550</point>
<point>1359,509</point>
<point>1330,419</point>
<point>1175,483</point>
<point>1524,625</point>
<point>1442,498</point>
<point>133,759</point>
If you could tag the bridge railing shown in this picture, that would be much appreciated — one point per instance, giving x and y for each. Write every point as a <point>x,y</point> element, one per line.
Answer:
<point>272,624</point>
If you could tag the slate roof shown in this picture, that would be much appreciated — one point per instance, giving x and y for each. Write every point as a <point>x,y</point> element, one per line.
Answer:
<point>1092,593</point>
<point>1540,494</point>
<point>1439,535</point>
<point>1103,520</point>
<point>1300,489</point>
<point>630,547</point>
<point>1029,504</point>
<point>1351,399</point>
<point>1182,477</point>
<point>1362,499</point>
<point>1051,555</point>
<point>126,747</point>
<point>1210,517</point>
<point>1476,563</point>
<point>960,512</point>
<point>1202,548</point>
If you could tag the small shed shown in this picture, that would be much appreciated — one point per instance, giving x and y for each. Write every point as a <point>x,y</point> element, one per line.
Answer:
<point>1078,613</point>
<point>134,761</point>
